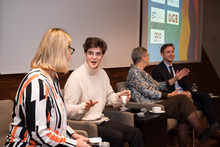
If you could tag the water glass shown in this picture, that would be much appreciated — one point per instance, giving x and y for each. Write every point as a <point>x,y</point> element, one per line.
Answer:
<point>105,144</point>
<point>194,87</point>
<point>124,98</point>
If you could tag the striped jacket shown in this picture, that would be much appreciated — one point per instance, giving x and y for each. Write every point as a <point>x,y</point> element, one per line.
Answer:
<point>39,114</point>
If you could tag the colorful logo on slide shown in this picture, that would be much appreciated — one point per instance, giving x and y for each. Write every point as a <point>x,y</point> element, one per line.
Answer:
<point>157,36</point>
<point>172,17</point>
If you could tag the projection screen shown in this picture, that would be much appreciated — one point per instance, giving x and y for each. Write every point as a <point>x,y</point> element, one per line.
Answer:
<point>173,21</point>
<point>123,24</point>
<point>23,22</point>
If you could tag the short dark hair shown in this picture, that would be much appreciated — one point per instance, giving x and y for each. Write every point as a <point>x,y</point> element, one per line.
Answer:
<point>165,46</point>
<point>93,42</point>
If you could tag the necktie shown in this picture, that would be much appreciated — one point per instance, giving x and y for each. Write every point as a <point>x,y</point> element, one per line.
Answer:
<point>171,71</point>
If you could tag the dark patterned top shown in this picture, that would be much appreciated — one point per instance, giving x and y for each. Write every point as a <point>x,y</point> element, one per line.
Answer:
<point>143,87</point>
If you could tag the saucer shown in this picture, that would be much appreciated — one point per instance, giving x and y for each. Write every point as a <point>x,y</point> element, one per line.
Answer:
<point>151,111</point>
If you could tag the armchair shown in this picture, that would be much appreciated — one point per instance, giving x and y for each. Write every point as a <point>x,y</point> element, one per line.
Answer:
<point>126,118</point>
<point>6,107</point>
<point>91,128</point>
<point>171,122</point>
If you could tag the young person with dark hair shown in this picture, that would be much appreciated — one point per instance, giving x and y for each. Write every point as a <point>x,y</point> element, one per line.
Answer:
<point>88,91</point>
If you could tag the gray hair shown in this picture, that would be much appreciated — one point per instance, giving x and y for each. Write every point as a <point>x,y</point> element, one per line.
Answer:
<point>137,54</point>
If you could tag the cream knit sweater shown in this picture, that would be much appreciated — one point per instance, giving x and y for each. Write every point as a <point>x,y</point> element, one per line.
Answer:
<point>83,84</point>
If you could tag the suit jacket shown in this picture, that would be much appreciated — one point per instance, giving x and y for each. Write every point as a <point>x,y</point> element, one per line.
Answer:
<point>160,73</point>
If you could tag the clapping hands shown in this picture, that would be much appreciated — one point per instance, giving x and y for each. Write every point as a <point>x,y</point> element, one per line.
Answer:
<point>180,74</point>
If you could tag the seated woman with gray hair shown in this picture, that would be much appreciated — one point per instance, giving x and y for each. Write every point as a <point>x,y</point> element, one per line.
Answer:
<point>179,106</point>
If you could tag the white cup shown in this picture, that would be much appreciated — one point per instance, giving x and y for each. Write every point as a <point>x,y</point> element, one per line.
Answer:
<point>156,109</point>
<point>105,144</point>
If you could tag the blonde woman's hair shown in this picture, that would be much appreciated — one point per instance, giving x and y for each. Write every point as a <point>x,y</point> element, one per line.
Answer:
<point>52,51</point>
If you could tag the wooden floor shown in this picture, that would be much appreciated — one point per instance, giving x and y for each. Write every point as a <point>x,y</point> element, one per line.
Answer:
<point>173,142</point>
<point>173,139</point>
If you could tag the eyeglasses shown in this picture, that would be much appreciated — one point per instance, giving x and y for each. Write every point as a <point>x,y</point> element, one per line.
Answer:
<point>72,50</point>
<point>148,55</point>
<point>91,54</point>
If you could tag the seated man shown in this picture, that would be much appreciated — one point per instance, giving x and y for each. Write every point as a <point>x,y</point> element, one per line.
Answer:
<point>178,106</point>
<point>166,69</point>
<point>88,90</point>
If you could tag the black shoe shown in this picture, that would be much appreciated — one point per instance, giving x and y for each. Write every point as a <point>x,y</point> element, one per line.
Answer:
<point>208,132</point>
<point>217,137</point>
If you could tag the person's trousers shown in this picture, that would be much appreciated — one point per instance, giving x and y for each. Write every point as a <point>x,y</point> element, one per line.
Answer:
<point>116,134</point>
<point>178,107</point>
<point>204,103</point>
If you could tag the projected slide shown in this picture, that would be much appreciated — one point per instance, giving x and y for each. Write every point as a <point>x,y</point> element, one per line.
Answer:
<point>173,21</point>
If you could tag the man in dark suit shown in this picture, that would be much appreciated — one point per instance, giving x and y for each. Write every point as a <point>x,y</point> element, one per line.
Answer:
<point>166,70</point>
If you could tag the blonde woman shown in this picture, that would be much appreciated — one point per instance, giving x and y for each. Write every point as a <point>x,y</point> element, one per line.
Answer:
<point>39,113</point>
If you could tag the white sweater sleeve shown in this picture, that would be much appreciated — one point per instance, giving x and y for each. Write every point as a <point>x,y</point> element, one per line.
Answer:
<point>72,93</point>
<point>112,97</point>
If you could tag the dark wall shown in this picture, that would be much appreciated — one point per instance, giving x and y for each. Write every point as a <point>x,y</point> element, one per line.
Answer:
<point>211,32</point>
<point>202,73</point>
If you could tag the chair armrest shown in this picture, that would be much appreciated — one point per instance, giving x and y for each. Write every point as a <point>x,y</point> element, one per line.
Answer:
<point>82,132</point>
<point>171,124</point>
<point>142,105</point>
<point>126,118</point>
<point>90,128</point>
<point>199,114</point>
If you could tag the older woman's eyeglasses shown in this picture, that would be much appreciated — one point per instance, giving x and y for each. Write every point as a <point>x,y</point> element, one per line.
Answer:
<point>148,55</point>
<point>72,50</point>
